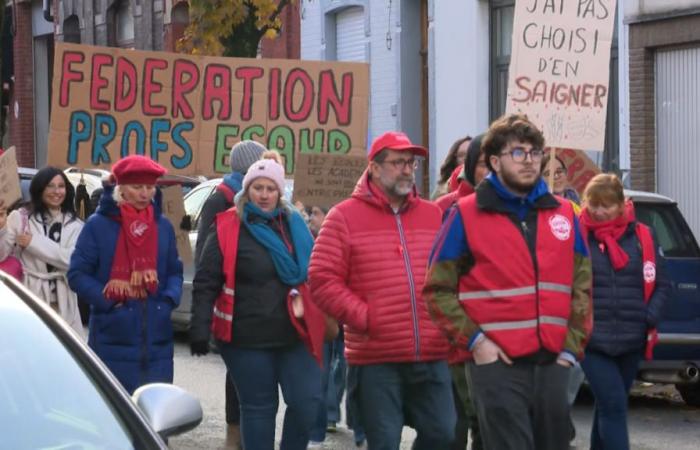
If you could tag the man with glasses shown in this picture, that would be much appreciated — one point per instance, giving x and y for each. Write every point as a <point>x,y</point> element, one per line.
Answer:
<point>367,271</point>
<point>510,280</point>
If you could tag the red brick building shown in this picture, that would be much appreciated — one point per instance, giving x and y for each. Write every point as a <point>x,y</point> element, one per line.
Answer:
<point>140,24</point>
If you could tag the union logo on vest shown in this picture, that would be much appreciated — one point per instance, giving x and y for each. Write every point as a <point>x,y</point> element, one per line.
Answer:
<point>560,226</point>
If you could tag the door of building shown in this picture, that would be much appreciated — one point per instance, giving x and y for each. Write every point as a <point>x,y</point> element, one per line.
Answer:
<point>677,132</point>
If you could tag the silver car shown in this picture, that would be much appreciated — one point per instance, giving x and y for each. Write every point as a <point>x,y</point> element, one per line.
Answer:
<point>56,393</point>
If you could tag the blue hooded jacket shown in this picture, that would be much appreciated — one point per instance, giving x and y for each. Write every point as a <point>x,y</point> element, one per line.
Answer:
<point>135,340</point>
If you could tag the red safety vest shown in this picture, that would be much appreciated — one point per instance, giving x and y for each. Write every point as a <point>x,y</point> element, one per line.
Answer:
<point>649,273</point>
<point>310,328</point>
<point>520,304</point>
<point>228,226</point>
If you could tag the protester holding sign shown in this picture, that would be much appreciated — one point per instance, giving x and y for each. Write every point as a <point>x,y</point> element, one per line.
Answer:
<point>42,236</point>
<point>630,287</point>
<point>127,267</point>
<point>519,303</point>
<point>558,174</point>
<point>367,272</point>
<point>257,259</point>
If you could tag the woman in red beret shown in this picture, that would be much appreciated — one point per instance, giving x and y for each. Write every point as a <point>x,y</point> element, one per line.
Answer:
<point>126,265</point>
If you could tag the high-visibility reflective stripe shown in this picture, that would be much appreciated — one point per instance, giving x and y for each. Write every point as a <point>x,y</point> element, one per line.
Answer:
<point>228,291</point>
<point>496,293</point>
<point>555,287</point>
<point>495,326</point>
<point>515,325</point>
<point>222,315</point>
<point>552,320</point>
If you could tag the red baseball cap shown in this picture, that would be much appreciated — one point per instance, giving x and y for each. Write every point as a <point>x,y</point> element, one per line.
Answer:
<point>397,141</point>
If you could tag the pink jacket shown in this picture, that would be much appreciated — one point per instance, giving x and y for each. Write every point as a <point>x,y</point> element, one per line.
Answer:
<point>367,271</point>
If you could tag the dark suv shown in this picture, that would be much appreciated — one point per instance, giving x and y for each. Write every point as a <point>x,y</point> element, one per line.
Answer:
<point>677,355</point>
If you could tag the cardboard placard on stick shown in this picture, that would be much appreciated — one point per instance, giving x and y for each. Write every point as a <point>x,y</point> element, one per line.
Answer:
<point>559,69</point>
<point>174,210</point>
<point>579,167</point>
<point>324,180</point>
<point>10,191</point>
<point>186,112</point>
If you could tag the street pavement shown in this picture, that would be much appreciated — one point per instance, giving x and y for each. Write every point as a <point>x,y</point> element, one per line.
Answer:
<point>658,418</point>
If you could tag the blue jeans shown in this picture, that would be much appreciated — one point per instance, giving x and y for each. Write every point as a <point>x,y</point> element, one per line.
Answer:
<point>257,374</point>
<point>610,378</point>
<point>415,394</point>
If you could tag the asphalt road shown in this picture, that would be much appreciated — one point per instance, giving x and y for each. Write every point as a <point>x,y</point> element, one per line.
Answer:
<point>658,418</point>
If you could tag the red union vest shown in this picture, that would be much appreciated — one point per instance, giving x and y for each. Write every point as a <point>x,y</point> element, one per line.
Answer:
<point>521,305</point>
<point>228,226</point>
<point>649,273</point>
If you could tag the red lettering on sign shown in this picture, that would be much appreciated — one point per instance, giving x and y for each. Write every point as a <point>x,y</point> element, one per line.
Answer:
<point>217,88</point>
<point>126,85</point>
<point>248,74</point>
<point>274,89</point>
<point>69,76</point>
<point>294,78</point>
<point>328,97</point>
<point>98,82</point>
<point>150,86</point>
<point>185,79</point>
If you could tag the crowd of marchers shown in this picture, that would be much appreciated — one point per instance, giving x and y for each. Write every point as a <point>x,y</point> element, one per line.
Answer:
<point>476,314</point>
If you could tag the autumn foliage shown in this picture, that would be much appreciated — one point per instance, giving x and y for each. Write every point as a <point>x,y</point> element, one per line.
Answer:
<point>230,27</point>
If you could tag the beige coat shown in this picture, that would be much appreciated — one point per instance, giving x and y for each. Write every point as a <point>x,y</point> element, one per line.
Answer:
<point>40,252</point>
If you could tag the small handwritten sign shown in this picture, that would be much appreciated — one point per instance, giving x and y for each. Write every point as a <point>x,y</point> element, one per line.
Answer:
<point>559,69</point>
<point>324,180</point>
<point>174,210</point>
<point>10,190</point>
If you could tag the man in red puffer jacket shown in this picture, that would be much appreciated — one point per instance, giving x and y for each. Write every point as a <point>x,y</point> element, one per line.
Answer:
<point>367,271</point>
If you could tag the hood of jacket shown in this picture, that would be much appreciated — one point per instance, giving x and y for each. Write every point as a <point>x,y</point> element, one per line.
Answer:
<point>368,192</point>
<point>108,207</point>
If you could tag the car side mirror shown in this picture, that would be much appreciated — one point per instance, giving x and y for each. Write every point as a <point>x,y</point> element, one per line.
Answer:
<point>169,409</point>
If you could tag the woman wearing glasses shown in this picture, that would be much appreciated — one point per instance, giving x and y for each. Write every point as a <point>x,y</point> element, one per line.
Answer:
<point>561,179</point>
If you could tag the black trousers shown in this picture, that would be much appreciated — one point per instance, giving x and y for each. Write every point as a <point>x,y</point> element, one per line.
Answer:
<point>521,407</point>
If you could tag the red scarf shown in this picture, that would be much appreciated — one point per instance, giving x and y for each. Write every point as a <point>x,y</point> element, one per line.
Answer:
<point>609,232</point>
<point>134,273</point>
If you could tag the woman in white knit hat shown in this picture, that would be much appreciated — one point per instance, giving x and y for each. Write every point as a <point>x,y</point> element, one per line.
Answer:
<point>274,336</point>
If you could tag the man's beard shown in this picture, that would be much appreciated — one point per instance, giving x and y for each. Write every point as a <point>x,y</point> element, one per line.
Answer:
<point>511,181</point>
<point>400,187</point>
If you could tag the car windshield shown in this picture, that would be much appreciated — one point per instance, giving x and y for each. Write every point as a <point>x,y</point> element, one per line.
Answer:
<point>49,401</point>
<point>673,233</point>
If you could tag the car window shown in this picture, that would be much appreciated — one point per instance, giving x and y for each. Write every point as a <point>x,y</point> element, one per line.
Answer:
<point>49,400</point>
<point>194,201</point>
<point>672,231</point>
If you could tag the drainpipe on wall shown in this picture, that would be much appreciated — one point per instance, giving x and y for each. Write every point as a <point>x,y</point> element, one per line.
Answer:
<point>47,11</point>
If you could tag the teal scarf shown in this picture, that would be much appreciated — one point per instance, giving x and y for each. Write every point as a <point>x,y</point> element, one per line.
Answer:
<point>291,268</point>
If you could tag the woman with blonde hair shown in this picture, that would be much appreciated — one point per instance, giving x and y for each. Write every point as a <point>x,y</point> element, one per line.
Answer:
<point>630,287</point>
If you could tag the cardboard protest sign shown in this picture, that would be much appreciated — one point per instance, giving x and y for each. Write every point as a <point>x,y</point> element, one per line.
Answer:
<point>10,190</point>
<point>579,167</point>
<point>324,180</point>
<point>186,112</point>
<point>174,210</point>
<point>559,69</point>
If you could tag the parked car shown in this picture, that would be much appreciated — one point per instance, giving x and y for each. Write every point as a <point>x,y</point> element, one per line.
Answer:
<point>677,355</point>
<point>56,393</point>
<point>194,201</point>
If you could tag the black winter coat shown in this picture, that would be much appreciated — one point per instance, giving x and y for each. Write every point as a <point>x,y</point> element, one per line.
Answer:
<point>620,316</point>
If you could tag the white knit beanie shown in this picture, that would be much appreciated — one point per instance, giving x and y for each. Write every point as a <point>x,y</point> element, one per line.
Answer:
<point>265,168</point>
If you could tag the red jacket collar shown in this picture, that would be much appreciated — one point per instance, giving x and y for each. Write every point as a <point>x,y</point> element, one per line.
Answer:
<point>366,191</point>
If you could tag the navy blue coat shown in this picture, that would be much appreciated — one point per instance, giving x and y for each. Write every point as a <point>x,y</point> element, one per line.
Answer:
<point>134,340</point>
<point>620,316</point>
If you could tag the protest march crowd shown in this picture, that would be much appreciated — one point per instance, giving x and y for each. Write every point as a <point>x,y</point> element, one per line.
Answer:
<point>474,315</point>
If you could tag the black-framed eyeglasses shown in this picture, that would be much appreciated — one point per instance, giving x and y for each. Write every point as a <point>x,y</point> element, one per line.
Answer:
<point>401,164</point>
<point>519,154</point>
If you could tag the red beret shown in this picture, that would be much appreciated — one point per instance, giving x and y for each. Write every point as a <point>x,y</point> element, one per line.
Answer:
<point>397,141</point>
<point>137,169</point>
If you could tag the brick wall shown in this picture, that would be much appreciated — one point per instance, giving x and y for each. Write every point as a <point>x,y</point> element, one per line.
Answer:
<point>288,43</point>
<point>22,126</point>
<point>644,39</point>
